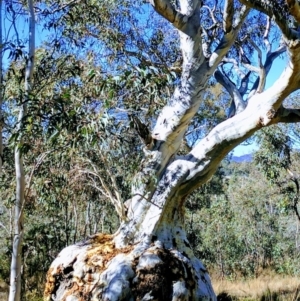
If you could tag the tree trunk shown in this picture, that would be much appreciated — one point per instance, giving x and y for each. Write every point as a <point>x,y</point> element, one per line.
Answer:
<point>150,258</point>
<point>1,93</point>
<point>162,266</point>
<point>16,261</point>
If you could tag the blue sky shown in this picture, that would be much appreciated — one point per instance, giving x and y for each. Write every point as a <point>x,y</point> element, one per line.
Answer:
<point>22,26</point>
<point>275,72</point>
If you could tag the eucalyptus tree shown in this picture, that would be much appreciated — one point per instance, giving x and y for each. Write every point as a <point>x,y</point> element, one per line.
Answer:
<point>16,261</point>
<point>149,257</point>
<point>1,93</point>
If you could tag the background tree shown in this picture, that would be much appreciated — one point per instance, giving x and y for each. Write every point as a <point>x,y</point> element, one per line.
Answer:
<point>16,262</point>
<point>1,93</point>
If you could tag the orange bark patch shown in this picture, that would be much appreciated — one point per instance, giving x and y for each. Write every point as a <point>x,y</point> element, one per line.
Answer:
<point>99,252</point>
<point>50,284</point>
<point>102,251</point>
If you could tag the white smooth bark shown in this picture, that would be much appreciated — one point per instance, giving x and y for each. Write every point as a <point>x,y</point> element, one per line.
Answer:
<point>1,90</point>
<point>150,258</point>
<point>16,261</point>
<point>173,121</point>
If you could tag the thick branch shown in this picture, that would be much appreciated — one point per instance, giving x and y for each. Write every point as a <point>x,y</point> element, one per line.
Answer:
<point>262,71</point>
<point>261,111</point>
<point>287,115</point>
<point>235,65</point>
<point>244,77</point>
<point>228,39</point>
<point>271,56</point>
<point>294,9</point>
<point>232,90</point>
<point>251,68</point>
<point>184,174</point>
<point>166,9</point>
<point>176,115</point>
<point>275,14</point>
<point>228,15</point>
<point>188,7</point>
<point>149,191</point>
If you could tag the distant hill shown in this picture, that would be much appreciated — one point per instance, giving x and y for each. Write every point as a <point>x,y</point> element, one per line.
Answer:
<point>243,158</point>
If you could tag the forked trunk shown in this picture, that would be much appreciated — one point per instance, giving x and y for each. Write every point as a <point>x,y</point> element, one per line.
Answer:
<point>150,258</point>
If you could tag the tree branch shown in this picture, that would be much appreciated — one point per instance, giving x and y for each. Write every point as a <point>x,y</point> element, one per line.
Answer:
<point>228,15</point>
<point>235,65</point>
<point>244,84</point>
<point>167,10</point>
<point>287,115</point>
<point>206,44</point>
<point>262,71</point>
<point>275,13</point>
<point>244,77</point>
<point>237,99</point>
<point>227,39</point>
<point>188,7</point>
<point>271,56</point>
<point>142,131</point>
<point>240,16</point>
<point>266,35</point>
<point>211,12</point>
<point>261,111</point>
<point>294,9</point>
<point>114,196</point>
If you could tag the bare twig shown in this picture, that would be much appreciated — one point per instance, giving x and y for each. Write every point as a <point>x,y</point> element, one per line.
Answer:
<point>266,35</point>
<point>114,196</point>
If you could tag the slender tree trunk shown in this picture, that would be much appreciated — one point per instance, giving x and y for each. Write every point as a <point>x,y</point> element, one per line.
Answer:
<point>16,262</point>
<point>1,90</point>
<point>75,210</point>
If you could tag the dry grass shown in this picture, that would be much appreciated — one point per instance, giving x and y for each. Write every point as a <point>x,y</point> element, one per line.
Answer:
<point>283,287</point>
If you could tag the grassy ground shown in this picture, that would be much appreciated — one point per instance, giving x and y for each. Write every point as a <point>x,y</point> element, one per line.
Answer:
<point>3,291</point>
<point>269,287</point>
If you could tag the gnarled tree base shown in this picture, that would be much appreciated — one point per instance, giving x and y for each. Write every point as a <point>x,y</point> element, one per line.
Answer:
<point>96,270</point>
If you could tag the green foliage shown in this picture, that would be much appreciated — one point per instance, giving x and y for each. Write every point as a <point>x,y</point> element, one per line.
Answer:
<point>238,228</point>
<point>274,153</point>
<point>102,61</point>
<point>73,133</point>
